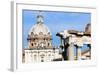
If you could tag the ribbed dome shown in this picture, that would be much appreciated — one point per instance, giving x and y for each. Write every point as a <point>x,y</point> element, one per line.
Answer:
<point>40,27</point>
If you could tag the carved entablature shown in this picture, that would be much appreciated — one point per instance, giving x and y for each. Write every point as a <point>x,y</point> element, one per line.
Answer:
<point>75,37</point>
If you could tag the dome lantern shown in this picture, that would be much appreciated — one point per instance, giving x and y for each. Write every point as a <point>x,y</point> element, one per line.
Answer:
<point>39,19</point>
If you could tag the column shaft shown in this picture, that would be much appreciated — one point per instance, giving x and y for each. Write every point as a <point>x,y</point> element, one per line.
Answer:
<point>71,52</point>
<point>78,53</point>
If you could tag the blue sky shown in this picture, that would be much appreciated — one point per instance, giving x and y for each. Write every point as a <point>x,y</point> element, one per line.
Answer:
<point>55,21</point>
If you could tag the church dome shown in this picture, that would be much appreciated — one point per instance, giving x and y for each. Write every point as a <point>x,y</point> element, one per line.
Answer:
<point>40,27</point>
<point>39,35</point>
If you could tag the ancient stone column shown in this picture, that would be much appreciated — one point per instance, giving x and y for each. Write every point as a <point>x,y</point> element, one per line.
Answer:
<point>61,41</point>
<point>71,52</point>
<point>78,53</point>
<point>89,45</point>
<point>62,48</point>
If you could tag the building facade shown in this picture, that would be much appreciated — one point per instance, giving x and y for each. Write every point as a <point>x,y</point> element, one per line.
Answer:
<point>40,47</point>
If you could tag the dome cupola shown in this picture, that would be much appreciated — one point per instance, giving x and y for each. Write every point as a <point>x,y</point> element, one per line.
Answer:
<point>39,35</point>
<point>40,27</point>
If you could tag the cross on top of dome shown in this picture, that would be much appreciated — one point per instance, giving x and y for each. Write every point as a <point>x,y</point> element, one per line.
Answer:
<point>40,27</point>
<point>40,18</point>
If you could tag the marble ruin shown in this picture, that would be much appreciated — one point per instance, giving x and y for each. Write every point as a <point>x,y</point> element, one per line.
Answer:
<point>71,39</point>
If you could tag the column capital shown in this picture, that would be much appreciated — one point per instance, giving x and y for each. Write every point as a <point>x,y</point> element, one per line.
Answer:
<point>78,46</point>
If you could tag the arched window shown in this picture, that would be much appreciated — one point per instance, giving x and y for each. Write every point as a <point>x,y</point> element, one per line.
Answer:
<point>48,44</point>
<point>31,44</point>
<point>42,59</point>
